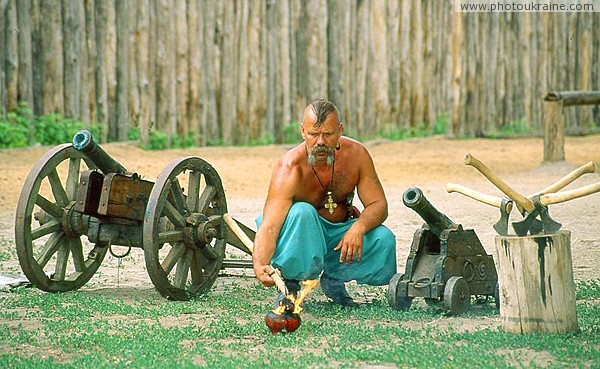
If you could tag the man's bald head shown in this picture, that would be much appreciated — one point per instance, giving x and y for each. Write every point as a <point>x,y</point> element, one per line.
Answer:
<point>319,110</point>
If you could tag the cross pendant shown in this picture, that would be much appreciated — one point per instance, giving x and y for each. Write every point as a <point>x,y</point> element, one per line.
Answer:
<point>330,204</point>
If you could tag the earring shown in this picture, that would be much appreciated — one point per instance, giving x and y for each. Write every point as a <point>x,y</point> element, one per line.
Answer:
<point>338,146</point>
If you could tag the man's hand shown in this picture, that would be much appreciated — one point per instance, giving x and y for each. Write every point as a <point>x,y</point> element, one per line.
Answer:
<point>264,273</point>
<point>350,246</point>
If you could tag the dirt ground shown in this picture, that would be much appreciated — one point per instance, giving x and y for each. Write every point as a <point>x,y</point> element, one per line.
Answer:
<point>427,163</point>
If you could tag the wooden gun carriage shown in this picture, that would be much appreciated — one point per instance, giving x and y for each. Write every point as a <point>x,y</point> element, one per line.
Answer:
<point>445,263</point>
<point>77,190</point>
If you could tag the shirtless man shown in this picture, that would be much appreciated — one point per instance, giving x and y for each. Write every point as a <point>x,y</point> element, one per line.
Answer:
<point>309,225</point>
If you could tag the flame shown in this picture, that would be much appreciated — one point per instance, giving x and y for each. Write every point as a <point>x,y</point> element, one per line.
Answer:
<point>307,287</point>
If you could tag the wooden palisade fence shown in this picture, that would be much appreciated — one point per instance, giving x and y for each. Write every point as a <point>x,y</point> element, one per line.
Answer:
<point>233,71</point>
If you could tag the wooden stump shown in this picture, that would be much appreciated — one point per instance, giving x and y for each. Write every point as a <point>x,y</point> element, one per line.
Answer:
<point>537,291</point>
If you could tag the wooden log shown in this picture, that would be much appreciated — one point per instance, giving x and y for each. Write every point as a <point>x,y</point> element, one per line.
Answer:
<point>122,121</point>
<point>72,34</point>
<point>537,291</point>
<point>25,58</point>
<point>554,137</point>
<point>574,97</point>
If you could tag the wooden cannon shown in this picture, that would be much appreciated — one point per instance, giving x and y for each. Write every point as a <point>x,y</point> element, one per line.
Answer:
<point>77,190</point>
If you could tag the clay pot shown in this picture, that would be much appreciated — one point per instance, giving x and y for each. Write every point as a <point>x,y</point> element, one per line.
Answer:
<point>285,322</point>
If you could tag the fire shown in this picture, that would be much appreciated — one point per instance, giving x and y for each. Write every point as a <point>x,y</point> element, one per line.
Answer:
<point>294,303</point>
<point>307,287</point>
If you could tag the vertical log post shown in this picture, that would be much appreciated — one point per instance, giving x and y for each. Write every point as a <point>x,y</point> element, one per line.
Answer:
<point>554,137</point>
<point>554,125</point>
<point>537,291</point>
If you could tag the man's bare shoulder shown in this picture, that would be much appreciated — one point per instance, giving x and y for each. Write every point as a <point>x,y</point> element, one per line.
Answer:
<point>354,148</point>
<point>289,163</point>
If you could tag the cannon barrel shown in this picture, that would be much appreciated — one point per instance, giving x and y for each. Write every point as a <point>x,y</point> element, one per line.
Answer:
<point>84,142</point>
<point>413,198</point>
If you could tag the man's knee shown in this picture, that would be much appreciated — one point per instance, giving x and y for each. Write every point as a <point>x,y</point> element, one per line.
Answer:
<point>385,238</point>
<point>300,210</point>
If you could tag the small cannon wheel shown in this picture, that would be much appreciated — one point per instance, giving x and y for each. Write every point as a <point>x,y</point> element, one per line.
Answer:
<point>457,295</point>
<point>184,232</point>
<point>52,256</point>
<point>396,299</point>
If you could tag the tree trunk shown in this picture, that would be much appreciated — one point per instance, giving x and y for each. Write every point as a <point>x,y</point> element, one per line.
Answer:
<point>585,69</point>
<point>336,33</point>
<point>122,102</point>
<point>208,93</point>
<point>165,68</point>
<point>86,72</point>
<point>241,105</point>
<point>278,64</point>
<point>228,73</point>
<point>393,59</point>
<point>72,34</point>
<point>11,59</point>
<point>195,47</point>
<point>537,291</point>
<point>182,68</point>
<point>3,6</point>
<point>52,57</point>
<point>144,42</point>
<point>100,79</point>
<point>25,52</point>
<point>257,94</point>
<point>457,106</point>
<point>361,51</point>
<point>111,69</point>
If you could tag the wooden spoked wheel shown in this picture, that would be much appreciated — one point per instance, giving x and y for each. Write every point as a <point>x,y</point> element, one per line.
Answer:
<point>54,257</point>
<point>184,233</point>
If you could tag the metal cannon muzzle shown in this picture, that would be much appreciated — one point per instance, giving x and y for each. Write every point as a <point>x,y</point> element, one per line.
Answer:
<point>84,142</point>
<point>413,198</point>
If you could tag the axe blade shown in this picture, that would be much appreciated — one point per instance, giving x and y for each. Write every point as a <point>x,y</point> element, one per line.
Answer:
<point>533,225</point>
<point>549,224</point>
<point>501,226</point>
<point>524,226</point>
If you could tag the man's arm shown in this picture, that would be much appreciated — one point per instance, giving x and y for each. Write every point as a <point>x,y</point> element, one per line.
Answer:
<point>282,188</point>
<point>375,210</point>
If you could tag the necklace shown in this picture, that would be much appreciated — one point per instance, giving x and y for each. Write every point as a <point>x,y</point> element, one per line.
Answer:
<point>330,205</point>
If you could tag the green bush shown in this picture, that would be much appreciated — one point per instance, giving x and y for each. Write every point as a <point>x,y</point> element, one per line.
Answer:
<point>21,128</point>
<point>291,133</point>
<point>441,124</point>
<point>157,140</point>
<point>182,142</point>
<point>54,129</point>
<point>15,131</point>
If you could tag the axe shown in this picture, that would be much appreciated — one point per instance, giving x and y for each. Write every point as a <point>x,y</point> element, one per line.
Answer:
<point>564,181</point>
<point>532,209</point>
<point>503,203</point>
<point>541,203</point>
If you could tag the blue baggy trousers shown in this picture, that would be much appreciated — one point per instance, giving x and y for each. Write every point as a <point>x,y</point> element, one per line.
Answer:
<point>305,248</point>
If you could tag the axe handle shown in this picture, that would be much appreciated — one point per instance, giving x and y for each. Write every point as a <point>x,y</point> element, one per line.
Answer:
<point>519,199</point>
<point>555,198</point>
<point>475,195</point>
<point>235,228</point>
<point>556,186</point>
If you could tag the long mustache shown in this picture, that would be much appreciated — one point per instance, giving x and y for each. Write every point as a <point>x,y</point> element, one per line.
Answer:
<point>319,149</point>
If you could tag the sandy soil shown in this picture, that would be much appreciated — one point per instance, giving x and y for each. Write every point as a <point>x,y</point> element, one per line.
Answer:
<point>426,163</point>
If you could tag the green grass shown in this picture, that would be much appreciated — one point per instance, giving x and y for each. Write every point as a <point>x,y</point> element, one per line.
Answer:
<point>225,329</point>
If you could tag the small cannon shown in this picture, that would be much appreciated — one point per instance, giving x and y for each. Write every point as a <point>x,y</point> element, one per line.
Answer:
<point>445,263</point>
<point>78,189</point>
